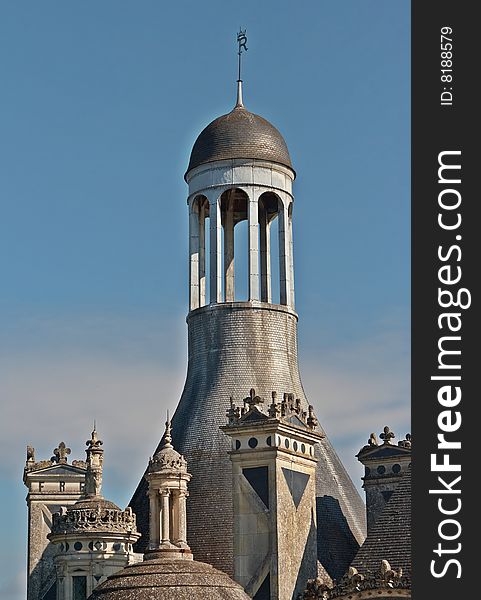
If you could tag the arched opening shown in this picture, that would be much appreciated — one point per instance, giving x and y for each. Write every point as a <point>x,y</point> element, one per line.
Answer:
<point>234,215</point>
<point>198,250</point>
<point>269,205</point>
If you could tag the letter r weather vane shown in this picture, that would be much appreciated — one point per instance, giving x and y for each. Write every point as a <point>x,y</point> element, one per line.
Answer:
<point>242,42</point>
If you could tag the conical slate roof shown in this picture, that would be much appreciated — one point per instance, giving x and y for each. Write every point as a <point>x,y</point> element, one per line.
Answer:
<point>239,134</point>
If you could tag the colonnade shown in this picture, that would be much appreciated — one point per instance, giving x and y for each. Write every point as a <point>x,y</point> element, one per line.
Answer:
<point>224,212</point>
<point>168,517</point>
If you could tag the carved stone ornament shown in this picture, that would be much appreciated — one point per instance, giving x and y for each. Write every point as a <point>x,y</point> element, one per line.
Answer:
<point>284,410</point>
<point>96,518</point>
<point>387,435</point>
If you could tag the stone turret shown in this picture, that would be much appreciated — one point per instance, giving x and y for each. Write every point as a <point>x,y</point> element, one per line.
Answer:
<point>94,537</point>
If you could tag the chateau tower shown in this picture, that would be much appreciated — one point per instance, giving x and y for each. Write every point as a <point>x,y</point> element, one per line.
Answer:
<point>240,179</point>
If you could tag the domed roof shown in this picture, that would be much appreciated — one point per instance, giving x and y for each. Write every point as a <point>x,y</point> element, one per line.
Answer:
<point>169,579</point>
<point>239,134</point>
<point>98,503</point>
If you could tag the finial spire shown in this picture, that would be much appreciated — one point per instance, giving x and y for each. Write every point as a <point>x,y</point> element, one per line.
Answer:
<point>168,433</point>
<point>95,459</point>
<point>242,42</point>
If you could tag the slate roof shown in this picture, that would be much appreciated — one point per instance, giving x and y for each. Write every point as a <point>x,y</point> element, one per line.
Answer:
<point>169,580</point>
<point>239,134</point>
<point>390,538</point>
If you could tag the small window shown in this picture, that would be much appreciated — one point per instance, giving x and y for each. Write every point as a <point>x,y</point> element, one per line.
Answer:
<point>79,587</point>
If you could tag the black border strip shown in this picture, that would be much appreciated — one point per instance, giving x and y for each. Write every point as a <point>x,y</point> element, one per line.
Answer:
<point>437,128</point>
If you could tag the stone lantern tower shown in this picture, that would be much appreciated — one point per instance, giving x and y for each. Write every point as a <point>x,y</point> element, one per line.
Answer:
<point>242,331</point>
<point>168,478</point>
<point>94,537</point>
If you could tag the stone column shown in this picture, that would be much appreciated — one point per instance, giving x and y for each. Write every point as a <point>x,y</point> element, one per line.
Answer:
<point>202,253</point>
<point>253,220</point>
<point>193,255</point>
<point>154,521</point>
<point>229,281</point>
<point>182,517</point>
<point>215,252</point>
<point>291,256</point>
<point>165,538</point>
<point>284,256</point>
<point>265,252</point>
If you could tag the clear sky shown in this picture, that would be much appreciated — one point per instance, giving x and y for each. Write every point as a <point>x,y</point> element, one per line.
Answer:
<point>100,104</point>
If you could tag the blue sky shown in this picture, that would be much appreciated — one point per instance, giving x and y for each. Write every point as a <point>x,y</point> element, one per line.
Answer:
<point>99,108</point>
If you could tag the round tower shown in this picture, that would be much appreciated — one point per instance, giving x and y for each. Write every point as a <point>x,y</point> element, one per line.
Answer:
<point>240,179</point>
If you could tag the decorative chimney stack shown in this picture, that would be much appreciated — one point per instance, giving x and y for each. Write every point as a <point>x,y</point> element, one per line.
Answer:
<point>274,467</point>
<point>384,465</point>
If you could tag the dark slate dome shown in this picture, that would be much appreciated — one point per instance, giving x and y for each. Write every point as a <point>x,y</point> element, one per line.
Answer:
<point>165,579</point>
<point>239,134</point>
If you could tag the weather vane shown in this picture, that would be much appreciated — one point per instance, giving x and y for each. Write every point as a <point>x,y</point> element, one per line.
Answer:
<point>242,41</point>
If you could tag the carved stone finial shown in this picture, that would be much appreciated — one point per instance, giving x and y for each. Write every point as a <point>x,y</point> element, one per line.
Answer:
<point>94,441</point>
<point>95,458</point>
<point>167,443</point>
<point>316,589</point>
<point>252,400</point>
<point>354,576</point>
<point>60,453</point>
<point>274,408</point>
<point>387,435</point>
<point>312,421</point>
<point>372,441</point>
<point>30,454</point>
<point>232,413</point>
<point>406,443</point>
<point>387,574</point>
